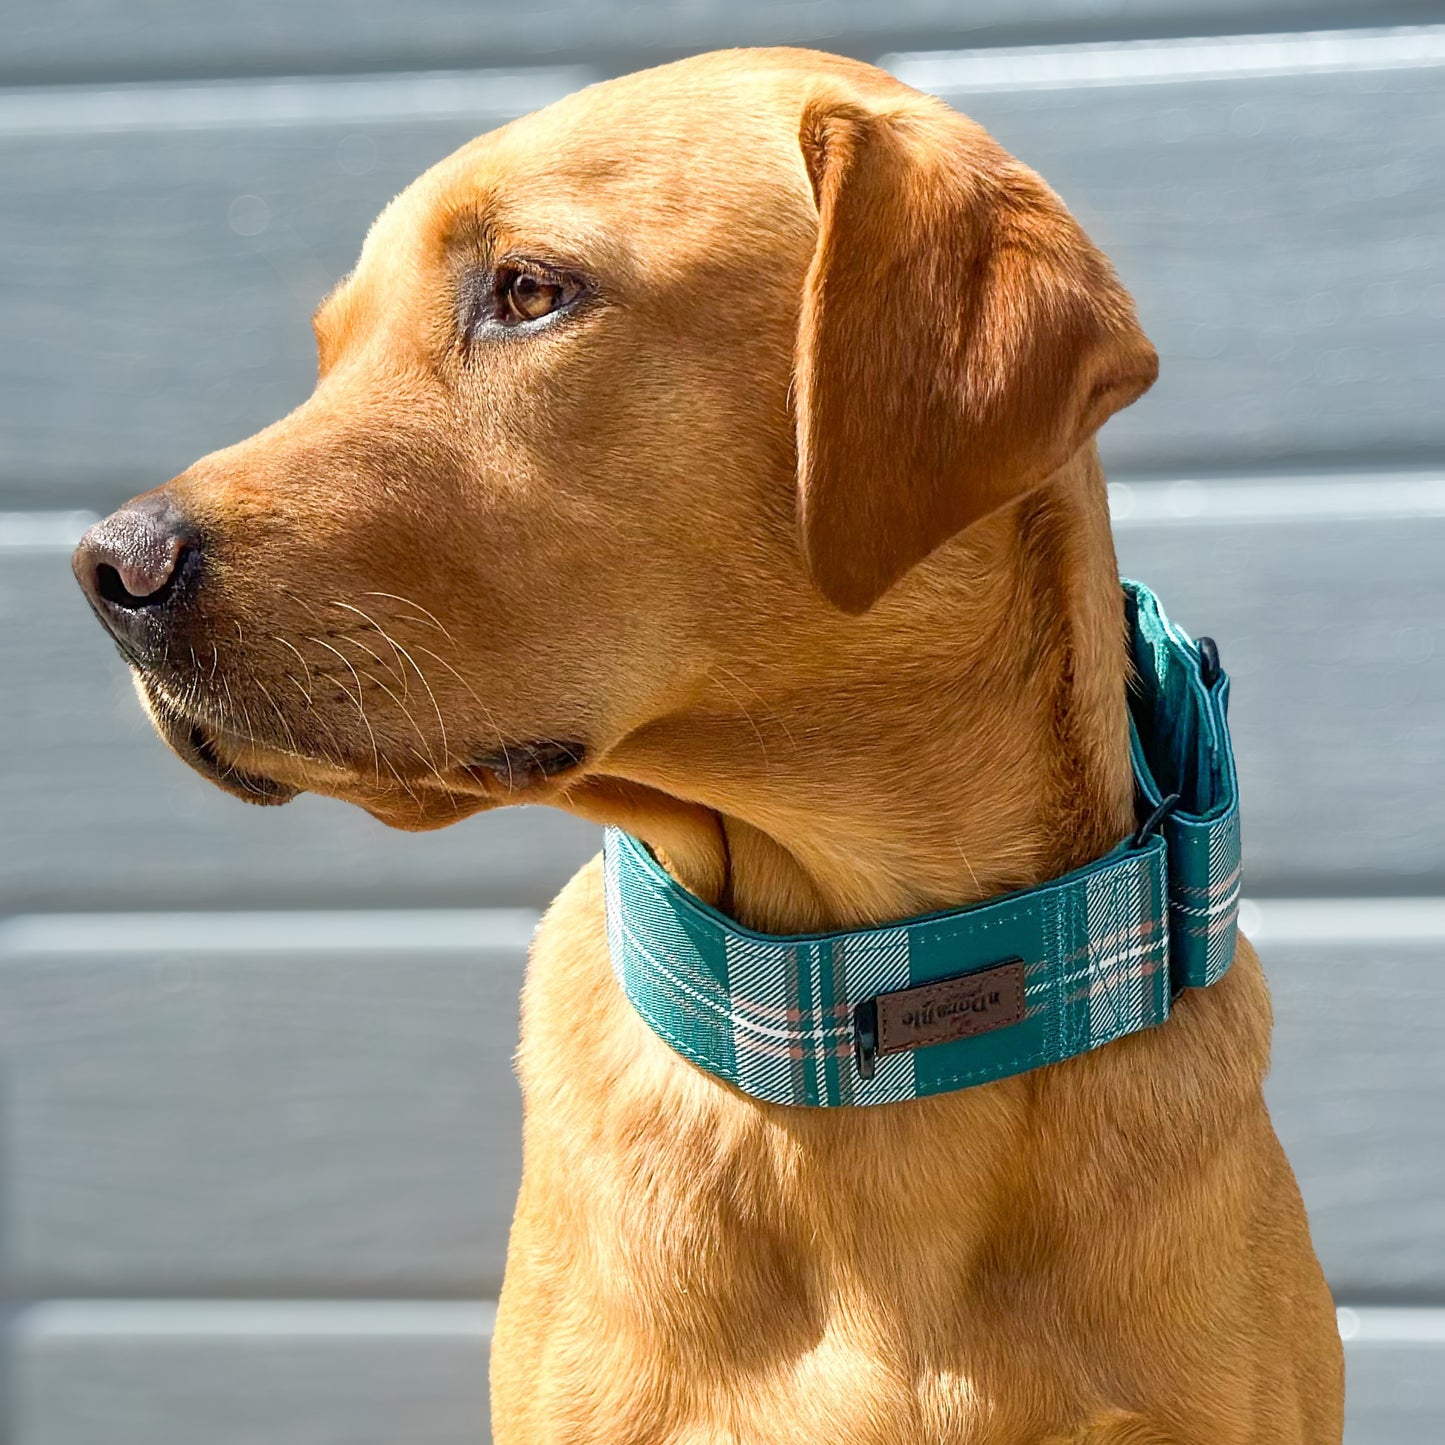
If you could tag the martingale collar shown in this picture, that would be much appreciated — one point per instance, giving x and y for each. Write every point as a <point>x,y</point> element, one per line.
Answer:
<point>969,995</point>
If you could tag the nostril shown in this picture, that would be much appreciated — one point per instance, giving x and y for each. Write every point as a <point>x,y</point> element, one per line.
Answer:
<point>110,584</point>
<point>137,559</point>
<point>113,590</point>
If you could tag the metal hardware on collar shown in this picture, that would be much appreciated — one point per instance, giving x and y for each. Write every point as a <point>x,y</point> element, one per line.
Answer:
<point>865,1037</point>
<point>924,1005</point>
<point>1150,825</point>
<point>1209,668</point>
<point>962,1006</point>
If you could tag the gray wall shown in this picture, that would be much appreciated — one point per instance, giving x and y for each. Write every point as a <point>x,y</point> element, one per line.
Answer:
<point>258,1130</point>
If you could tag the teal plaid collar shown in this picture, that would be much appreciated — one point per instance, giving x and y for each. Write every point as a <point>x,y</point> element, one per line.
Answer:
<point>974,994</point>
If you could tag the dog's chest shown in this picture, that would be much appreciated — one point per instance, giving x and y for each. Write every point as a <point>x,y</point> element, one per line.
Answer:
<point>683,1268</point>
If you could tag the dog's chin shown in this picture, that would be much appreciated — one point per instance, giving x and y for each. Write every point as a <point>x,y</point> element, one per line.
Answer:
<point>238,770</point>
<point>496,777</point>
<point>201,748</point>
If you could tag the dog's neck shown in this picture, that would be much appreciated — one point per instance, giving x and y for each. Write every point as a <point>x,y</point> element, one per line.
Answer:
<point>974,744</point>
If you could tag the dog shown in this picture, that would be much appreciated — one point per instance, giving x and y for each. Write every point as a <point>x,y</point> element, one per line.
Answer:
<point>711,455</point>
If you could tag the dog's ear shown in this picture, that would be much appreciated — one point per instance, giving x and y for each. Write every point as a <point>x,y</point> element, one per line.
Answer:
<point>960,337</point>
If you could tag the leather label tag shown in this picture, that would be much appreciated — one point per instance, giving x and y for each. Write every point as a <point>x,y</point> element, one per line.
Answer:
<point>953,1008</point>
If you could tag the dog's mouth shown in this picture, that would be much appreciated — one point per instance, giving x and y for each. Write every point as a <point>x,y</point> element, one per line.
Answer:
<point>515,766</point>
<point>492,775</point>
<point>199,746</point>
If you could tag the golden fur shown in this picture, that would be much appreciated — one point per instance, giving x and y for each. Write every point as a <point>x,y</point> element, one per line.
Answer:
<point>798,525</point>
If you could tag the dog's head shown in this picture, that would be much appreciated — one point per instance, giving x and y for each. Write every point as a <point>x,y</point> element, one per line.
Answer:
<point>626,402</point>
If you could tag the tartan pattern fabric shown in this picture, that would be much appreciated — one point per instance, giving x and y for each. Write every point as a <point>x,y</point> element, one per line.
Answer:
<point>1180,739</point>
<point>775,1015</point>
<point>1105,948</point>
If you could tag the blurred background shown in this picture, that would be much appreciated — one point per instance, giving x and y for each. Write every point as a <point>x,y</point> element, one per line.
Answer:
<point>258,1130</point>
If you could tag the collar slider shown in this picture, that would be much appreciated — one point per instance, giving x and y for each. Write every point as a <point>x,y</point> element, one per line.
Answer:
<point>1209,668</point>
<point>1150,824</point>
<point>865,1037</point>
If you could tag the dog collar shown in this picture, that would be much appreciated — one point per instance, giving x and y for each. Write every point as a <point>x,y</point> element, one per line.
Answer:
<point>969,995</point>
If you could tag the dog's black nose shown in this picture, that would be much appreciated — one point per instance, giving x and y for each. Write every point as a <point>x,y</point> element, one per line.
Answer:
<point>132,566</point>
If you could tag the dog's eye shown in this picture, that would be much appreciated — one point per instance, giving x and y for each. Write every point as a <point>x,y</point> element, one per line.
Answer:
<point>529,296</point>
<point>516,296</point>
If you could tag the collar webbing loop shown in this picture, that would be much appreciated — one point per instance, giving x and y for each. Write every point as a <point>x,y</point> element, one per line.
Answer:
<point>971,994</point>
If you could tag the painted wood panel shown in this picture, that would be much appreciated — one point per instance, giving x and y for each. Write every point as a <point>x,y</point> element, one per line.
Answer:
<point>293,1104</point>
<point>239,1373</point>
<point>1394,1365</point>
<point>307,1104</point>
<point>82,38</point>
<point>1357,1090</point>
<point>1331,627</point>
<point>228,1104</point>
<point>1331,623</point>
<point>1279,226</point>
<point>136,1372</point>
<point>156,284</point>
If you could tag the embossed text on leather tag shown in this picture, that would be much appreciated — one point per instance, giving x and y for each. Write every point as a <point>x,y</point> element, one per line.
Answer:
<point>953,1008</point>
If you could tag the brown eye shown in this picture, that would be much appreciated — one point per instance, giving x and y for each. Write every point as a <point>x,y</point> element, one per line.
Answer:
<point>516,295</point>
<point>524,296</point>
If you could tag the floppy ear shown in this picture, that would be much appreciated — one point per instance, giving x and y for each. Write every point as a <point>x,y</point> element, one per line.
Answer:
<point>960,337</point>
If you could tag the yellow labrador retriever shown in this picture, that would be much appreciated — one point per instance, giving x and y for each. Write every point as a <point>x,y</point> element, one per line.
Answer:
<point>711,454</point>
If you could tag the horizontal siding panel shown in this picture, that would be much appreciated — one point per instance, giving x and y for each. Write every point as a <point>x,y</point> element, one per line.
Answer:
<point>1394,1368</point>
<point>235,1114</point>
<point>1332,630</point>
<point>160,281</point>
<point>110,37</point>
<point>1332,627</point>
<point>1282,236</point>
<point>139,1373</point>
<point>1357,1093</point>
<point>133,1373</point>
<point>1281,231</point>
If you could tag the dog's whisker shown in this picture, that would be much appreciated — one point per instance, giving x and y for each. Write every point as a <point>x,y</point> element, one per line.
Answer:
<point>338,754</point>
<point>407,602</point>
<point>770,715</point>
<point>292,647</point>
<point>958,848</point>
<point>359,699</point>
<point>249,726</point>
<point>346,663</point>
<point>757,731</point>
<point>377,658</point>
<point>416,728</point>
<point>295,682</point>
<point>297,597</point>
<point>386,637</point>
<point>401,651</point>
<point>293,746</point>
<point>487,715</point>
<point>402,782</point>
<point>436,706</point>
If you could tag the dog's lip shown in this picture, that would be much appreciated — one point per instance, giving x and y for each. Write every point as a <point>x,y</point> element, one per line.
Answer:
<point>492,775</point>
<point>254,787</point>
<point>518,765</point>
<point>196,745</point>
